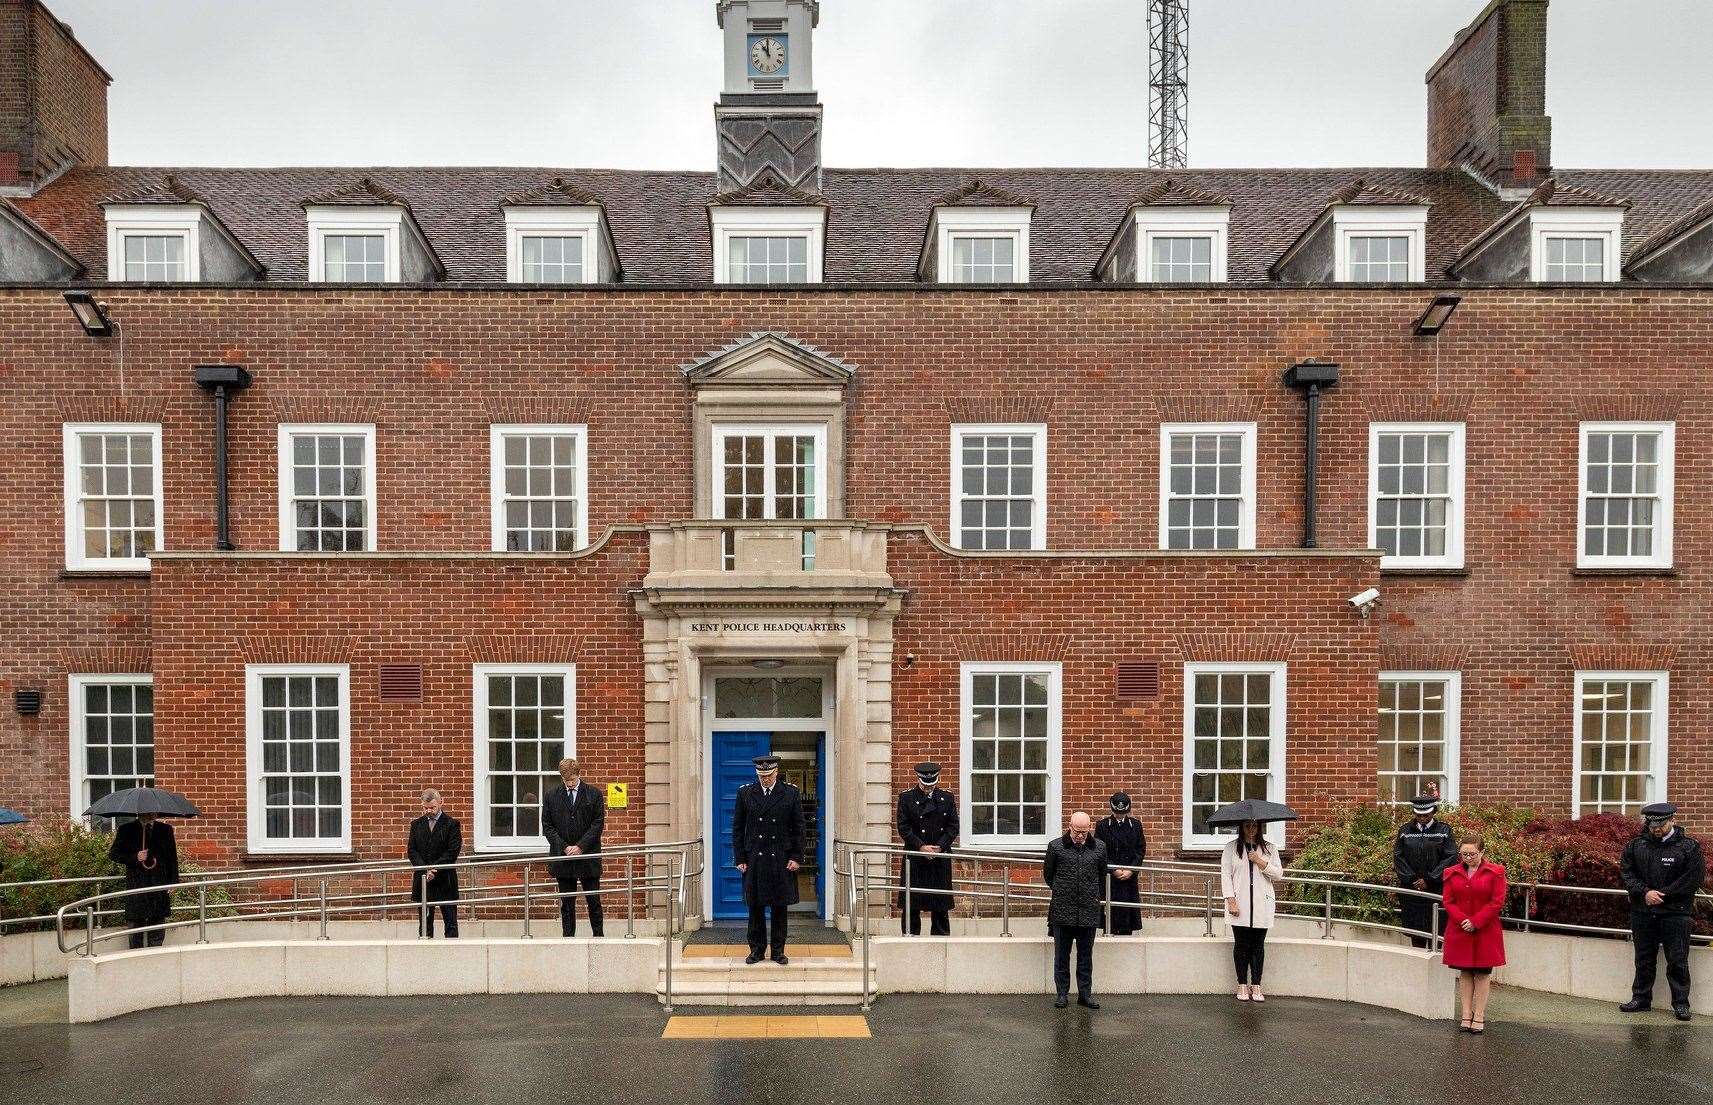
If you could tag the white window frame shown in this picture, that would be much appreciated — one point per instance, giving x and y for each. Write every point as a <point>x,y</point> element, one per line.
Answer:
<point>768,222</point>
<point>722,430</point>
<point>1181,222</point>
<point>183,221</point>
<point>1246,512</point>
<point>1054,822</point>
<point>287,517</point>
<point>386,221</point>
<point>77,775</point>
<point>1276,792</point>
<point>258,842</point>
<point>1363,220</point>
<point>497,498</point>
<point>951,223</point>
<point>583,223</point>
<point>75,560</point>
<point>1453,732</point>
<point>1662,554</point>
<point>1453,557</point>
<point>1658,756</point>
<point>1606,223</point>
<point>479,673</point>
<point>1037,430</point>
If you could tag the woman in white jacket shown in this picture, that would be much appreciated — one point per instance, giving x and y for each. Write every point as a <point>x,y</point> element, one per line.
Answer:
<point>1247,871</point>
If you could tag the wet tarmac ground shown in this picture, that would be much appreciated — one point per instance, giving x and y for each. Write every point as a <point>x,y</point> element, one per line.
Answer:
<point>599,1048</point>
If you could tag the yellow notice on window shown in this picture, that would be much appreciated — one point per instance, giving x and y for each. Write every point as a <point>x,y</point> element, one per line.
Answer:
<point>618,795</point>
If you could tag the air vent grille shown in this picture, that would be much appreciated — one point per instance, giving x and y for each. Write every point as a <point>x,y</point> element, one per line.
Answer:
<point>401,682</point>
<point>1136,679</point>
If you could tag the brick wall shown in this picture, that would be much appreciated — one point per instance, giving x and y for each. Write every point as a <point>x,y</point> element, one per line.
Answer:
<point>53,96</point>
<point>1102,368</point>
<point>1487,96</point>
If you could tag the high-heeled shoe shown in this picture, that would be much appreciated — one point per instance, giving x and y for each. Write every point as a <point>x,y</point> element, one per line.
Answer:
<point>1463,1026</point>
<point>1477,1028</point>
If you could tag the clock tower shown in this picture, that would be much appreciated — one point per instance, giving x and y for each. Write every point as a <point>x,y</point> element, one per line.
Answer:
<point>768,118</point>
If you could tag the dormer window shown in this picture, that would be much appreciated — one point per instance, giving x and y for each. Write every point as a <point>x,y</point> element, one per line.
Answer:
<point>162,232</point>
<point>768,245</point>
<point>977,234</point>
<point>557,234</point>
<point>1575,245</point>
<point>364,234</point>
<point>1380,244</point>
<point>1172,234</point>
<point>155,256</point>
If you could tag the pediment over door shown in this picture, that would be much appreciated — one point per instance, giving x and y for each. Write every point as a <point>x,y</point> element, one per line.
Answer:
<point>768,358</point>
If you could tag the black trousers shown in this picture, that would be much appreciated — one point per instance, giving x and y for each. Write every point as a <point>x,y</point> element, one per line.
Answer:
<point>1652,932</point>
<point>156,938</point>
<point>1249,953</point>
<point>448,913</point>
<point>761,941</point>
<point>939,922</point>
<point>1063,937</point>
<point>1124,921</point>
<point>568,904</point>
<point>1418,914</point>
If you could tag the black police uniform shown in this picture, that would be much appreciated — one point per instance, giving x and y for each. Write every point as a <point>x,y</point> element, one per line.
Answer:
<point>927,817</point>
<point>1126,846</point>
<point>1422,852</point>
<point>768,831</point>
<point>1674,867</point>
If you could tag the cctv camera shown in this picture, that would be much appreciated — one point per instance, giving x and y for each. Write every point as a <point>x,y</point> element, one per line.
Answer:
<point>1363,601</point>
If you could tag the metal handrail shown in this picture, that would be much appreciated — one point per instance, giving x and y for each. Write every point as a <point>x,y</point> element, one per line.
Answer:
<point>667,870</point>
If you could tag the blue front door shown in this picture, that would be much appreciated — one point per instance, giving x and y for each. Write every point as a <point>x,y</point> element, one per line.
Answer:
<point>734,765</point>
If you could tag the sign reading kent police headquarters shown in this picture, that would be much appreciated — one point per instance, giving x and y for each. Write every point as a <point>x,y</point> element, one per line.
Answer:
<point>788,625</point>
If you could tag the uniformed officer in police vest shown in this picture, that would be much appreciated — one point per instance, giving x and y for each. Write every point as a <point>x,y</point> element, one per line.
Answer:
<point>1425,848</point>
<point>767,846</point>
<point>928,823</point>
<point>1662,869</point>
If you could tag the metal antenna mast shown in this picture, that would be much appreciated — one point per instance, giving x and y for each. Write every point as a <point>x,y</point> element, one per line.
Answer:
<point>1168,83</point>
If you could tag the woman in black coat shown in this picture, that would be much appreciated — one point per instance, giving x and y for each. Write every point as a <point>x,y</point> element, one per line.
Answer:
<point>1126,846</point>
<point>148,851</point>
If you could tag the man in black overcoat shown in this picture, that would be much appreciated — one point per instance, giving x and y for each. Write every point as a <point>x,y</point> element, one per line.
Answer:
<point>1126,846</point>
<point>927,822</point>
<point>436,840</point>
<point>1425,849</point>
<point>572,818</point>
<point>148,850</point>
<point>767,846</point>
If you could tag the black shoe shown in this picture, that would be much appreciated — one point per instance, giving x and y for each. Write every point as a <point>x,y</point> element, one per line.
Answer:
<point>1681,1012</point>
<point>753,958</point>
<point>1061,1001</point>
<point>782,959</point>
<point>1635,1005</point>
<point>1088,1003</point>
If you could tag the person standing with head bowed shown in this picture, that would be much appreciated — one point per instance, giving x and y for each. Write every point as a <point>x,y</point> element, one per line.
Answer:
<point>1126,846</point>
<point>1075,869</point>
<point>148,850</point>
<point>572,818</point>
<point>1663,868</point>
<point>435,842</point>
<point>927,823</point>
<point>1425,848</point>
<point>768,832</point>
<point>1248,869</point>
<point>1475,890</point>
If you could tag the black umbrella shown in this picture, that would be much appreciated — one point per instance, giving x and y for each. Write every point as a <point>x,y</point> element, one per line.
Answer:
<point>1252,809</point>
<point>140,800</point>
<point>11,817</point>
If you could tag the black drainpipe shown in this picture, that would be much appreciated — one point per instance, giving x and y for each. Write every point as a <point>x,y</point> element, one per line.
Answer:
<point>1312,377</point>
<point>223,380</point>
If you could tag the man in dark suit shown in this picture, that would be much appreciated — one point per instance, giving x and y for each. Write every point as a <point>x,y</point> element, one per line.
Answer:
<point>927,822</point>
<point>148,850</point>
<point>767,846</point>
<point>572,817</point>
<point>436,841</point>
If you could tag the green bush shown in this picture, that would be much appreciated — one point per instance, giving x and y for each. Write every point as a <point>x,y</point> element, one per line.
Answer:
<point>72,851</point>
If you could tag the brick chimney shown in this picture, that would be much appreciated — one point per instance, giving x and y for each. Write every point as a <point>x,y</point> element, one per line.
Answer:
<point>1487,97</point>
<point>53,99</point>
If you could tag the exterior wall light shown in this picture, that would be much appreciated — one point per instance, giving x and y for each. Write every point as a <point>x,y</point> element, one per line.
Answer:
<point>91,313</point>
<point>1438,313</point>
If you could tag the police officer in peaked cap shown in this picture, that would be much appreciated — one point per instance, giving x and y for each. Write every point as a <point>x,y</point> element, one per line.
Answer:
<point>1425,848</point>
<point>768,832</point>
<point>1662,869</point>
<point>927,823</point>
<point>1126,846</point>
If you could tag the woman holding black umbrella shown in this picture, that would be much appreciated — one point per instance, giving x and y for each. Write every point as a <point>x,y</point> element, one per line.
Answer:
<point>1247,871</point>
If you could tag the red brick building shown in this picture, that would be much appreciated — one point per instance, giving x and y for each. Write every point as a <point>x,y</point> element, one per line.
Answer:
<point>1000,468</point>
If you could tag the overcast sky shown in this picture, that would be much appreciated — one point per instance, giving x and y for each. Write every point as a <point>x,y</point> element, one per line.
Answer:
<point>630,83</point>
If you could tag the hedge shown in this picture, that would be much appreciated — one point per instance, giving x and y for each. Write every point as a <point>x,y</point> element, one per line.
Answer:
<point>72,851</point>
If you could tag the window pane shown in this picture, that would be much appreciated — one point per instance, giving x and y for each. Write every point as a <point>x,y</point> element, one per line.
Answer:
<point>1009,753</point>
<point>1205,501</point>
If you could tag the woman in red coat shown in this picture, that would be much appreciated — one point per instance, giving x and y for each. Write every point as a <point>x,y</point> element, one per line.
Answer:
<point>1474,936</point>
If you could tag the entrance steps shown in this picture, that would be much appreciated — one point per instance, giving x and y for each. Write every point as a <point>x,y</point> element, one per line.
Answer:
<point>819,979</point>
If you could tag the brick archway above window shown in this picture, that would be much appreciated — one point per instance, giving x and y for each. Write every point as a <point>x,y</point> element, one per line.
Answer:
<point>1663,407</point>
<point>1435,407</point>
<point>1010,647</point>
<point>110,408</point>
<point>535,648</point>
<point>1438,657</point>
<point>1617,657</point>
<point>106,661</point>
<point>1208,408</point>
<point>1236,647</point>
<point>296,650</point>
<point>1010,408</point>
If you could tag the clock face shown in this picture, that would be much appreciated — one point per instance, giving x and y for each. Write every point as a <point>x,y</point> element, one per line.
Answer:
<point>767,54</point>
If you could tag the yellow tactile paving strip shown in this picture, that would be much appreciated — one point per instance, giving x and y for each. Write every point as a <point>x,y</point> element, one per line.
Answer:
<point>722,1027</point>
<point>739,951</point>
